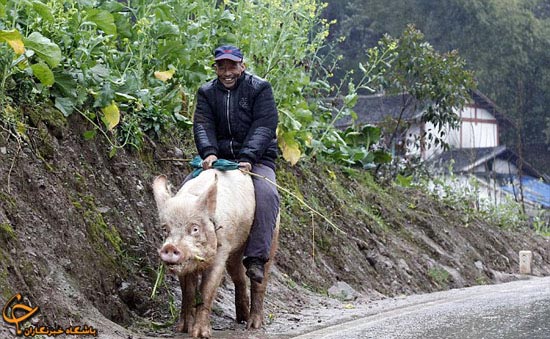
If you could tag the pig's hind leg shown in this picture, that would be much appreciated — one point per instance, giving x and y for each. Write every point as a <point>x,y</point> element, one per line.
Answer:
<point>236,271</point>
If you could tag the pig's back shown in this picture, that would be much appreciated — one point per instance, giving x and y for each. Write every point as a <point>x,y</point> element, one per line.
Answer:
<point>235,202</point>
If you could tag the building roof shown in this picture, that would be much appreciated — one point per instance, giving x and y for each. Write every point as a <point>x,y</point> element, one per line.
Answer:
<point>484,102</point>
<point>536,187</point>
<point>374,109</point>
<point>533,190</point>
<point>466,159</point>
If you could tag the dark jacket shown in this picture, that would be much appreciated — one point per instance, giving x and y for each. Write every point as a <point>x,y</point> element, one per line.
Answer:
<point>237,124</point>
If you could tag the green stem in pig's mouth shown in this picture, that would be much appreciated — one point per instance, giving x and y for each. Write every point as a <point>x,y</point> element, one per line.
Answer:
<point>161,271</point>
<point>159,280</point>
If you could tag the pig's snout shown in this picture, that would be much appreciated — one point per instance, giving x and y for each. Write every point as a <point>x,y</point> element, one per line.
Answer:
<point>170,254</point>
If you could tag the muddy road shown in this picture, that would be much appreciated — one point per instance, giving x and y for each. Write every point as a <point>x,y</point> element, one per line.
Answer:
<point>514,310</point>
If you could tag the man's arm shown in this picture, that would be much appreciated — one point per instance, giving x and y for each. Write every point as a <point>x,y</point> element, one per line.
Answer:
<point>263,128</point>
<point>204,130</point>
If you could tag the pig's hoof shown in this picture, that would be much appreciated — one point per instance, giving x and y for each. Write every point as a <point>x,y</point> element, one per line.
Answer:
<point>201,331</point>
<point>181,326</point>
<point>254,322</point>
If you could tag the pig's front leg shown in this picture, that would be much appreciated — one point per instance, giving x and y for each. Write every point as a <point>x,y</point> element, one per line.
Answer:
<point>188,284</point>
<point>210,281</point>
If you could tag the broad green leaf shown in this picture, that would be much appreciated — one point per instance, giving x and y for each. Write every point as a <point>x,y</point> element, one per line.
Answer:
<point>66,84</point>
<point>169,49</point>
<point>166,29</point>
<point>106,96</point>
<point>165,75</point>
<point>124,97</point>
<point>112,6</point>
<point>43,10</point>
<point>14,39</point>
<point>291,149</point>
<point>123,25</point>
<point>64,105</point>
<point>2,10</point>
<point>45,48</point>
<point>381,157</point>
<point>371,134</point>
<point>103,19</point>
<point>304,114</point>
<point>404,181</point>
<point>43,73</point>
<point>111,116</point>
<point>100,70</point>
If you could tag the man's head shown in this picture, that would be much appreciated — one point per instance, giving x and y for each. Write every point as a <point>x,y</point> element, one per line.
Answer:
<point>229,65</point>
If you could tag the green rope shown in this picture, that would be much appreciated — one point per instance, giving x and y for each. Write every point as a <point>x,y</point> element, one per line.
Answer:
<point>226,165</point>
<point>220,164</point>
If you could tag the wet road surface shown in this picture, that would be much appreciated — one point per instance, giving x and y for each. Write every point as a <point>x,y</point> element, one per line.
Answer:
<point>515,310</point>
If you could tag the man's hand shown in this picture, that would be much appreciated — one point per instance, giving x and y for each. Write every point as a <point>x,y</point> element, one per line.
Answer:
<point>245,166</point>
<point>207,163</point>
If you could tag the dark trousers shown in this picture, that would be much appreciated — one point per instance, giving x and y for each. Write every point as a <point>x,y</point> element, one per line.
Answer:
<point>265,217</point>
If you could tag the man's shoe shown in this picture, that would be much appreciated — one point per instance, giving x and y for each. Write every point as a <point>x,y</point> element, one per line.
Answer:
<point>254,269</point>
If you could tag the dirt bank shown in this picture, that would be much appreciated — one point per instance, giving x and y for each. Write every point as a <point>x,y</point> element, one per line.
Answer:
<point>78,236</point>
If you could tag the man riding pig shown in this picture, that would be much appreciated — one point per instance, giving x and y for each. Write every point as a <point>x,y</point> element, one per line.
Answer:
<point>210,217</point>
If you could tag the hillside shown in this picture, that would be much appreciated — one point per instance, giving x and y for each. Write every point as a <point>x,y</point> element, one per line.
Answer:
<point>79,234</point>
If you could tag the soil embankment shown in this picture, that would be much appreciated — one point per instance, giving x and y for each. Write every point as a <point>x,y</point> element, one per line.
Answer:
<point>79,236</point>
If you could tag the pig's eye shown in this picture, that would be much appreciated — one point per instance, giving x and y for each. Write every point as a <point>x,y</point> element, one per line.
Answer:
<point>195,229</point>
<point>165,229</point>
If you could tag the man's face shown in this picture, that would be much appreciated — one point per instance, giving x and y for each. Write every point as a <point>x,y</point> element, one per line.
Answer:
<point>228,72</point>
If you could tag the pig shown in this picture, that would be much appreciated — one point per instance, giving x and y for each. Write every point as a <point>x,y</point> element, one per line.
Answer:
<point>207,224</point>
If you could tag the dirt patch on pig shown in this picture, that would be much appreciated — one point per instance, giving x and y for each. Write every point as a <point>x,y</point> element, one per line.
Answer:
<point>79,237</point>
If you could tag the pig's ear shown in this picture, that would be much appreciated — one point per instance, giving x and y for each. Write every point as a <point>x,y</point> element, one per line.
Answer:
<point>208,199</point>
<point>161,191</point>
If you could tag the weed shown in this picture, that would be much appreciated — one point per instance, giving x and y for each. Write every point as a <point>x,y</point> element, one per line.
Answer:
<point>481,280</point>
<point>439,275</point>
<point>6,229</point>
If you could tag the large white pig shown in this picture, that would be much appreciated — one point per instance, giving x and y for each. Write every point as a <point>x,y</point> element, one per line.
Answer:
<point>207,224</point>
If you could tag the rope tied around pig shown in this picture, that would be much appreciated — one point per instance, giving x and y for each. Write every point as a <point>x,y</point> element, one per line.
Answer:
<point>227,165</point>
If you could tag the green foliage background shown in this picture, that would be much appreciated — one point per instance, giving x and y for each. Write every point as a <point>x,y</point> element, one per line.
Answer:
<point>132,69</point>
<point>504,41</point>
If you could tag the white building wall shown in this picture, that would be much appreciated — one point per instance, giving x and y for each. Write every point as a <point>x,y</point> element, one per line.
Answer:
<point>478,129</point>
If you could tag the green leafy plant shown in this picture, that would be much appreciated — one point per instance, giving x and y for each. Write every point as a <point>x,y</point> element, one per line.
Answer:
<point>132,69</point>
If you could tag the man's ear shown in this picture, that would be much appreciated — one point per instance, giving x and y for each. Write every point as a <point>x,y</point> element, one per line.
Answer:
<point>243,65</point>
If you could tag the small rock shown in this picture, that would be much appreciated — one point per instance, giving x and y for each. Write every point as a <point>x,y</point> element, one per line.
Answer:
<point>343,291</point>
<point>103,210</point>
<point>178,153</point>
<point>3,150</point>
<point>479,265</point>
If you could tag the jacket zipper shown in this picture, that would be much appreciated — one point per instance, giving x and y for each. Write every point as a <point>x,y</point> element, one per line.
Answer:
<point>229,123</point>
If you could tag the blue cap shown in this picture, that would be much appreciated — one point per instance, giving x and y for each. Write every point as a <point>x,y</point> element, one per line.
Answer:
<point>228,52</point>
